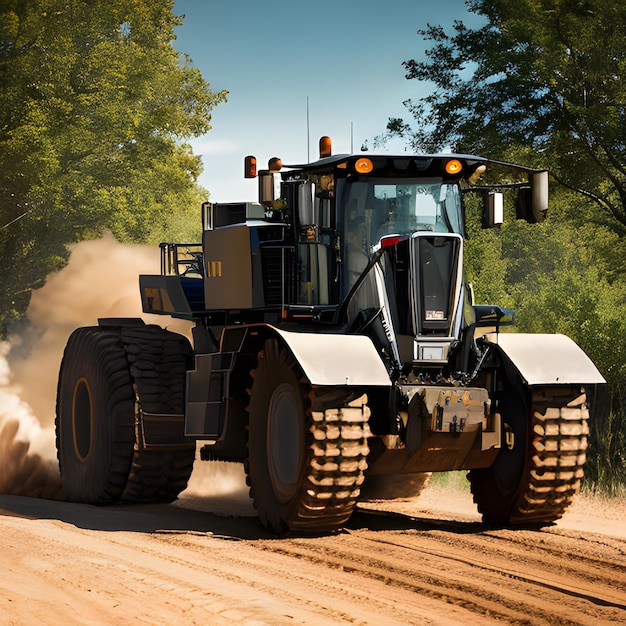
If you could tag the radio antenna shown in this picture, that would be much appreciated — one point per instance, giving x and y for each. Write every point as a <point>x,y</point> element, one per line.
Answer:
<point>308,133</point>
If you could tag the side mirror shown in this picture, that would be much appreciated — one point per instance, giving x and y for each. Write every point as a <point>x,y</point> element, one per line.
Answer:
<point>306,204</point>
<point>266,188</point>
<point>532,202</point>
<point>493,209</point>
<point>539,188</point>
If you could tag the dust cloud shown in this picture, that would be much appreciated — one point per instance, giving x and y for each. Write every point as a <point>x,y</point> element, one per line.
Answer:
<point>218,487</point>
<point>100,280</point>
<point>25,464</point>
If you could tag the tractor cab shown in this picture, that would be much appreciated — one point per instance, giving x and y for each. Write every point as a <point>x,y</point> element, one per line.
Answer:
<point>379,241</point>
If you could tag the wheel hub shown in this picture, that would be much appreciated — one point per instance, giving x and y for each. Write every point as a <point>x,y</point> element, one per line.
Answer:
<point>82,418</point>
<point>284,442</point>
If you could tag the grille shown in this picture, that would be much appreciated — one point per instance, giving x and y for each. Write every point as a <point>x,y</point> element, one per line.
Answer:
<point>278,273</point>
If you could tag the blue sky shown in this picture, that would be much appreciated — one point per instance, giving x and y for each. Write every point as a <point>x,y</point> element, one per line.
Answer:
<point>344,56</point>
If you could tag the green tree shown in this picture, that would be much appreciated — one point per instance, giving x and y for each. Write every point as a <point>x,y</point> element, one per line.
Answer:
<point>484,262</point>
<point>95,107</point>
<point>561,285</point>
<point>539,82</point>
<point>539,77</point>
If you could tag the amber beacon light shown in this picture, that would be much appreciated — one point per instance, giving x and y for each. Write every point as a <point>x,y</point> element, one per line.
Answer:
<point>326,147</point>
<point>249,167</point>
<point>363,166</point>
<point>453,167</point>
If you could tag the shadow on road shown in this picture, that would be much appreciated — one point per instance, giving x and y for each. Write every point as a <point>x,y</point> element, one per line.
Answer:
<point>145,518</point>
<point>391,520</point>
<point>184,517</point>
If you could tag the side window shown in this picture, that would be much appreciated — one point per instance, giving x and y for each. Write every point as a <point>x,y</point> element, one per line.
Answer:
<point>451,199</point>
<point>314,278</point>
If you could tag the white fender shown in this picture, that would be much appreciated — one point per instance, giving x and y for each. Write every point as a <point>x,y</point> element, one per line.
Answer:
<point>328,359</point>
<point>547,359</point>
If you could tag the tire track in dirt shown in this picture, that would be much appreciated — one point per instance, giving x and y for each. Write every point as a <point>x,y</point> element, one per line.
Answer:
<point>162,563</point>
<point>514,576</point>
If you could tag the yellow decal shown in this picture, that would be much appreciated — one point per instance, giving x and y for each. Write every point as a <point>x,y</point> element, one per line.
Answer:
<point>213,269</point>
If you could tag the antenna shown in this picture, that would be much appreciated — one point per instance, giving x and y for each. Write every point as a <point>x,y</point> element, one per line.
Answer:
<point>351,137</point>
<point>308,133</point>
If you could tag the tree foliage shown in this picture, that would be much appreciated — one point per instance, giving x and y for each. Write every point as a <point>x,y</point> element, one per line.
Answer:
<point>539,82</point>
<point>95,107</point>
<point>542,76</point>
<point>560,277</point>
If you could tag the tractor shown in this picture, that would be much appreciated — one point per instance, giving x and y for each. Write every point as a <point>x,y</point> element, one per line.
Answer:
<point>336,350</point>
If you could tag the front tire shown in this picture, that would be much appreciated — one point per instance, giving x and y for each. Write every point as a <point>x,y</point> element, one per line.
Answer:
<point>305,460</point>
<point>534,479</point>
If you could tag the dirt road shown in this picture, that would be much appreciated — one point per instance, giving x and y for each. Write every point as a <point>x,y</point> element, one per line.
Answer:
<point>205,560</point>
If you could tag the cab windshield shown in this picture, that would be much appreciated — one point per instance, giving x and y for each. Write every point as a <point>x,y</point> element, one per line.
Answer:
<point>375,208</point>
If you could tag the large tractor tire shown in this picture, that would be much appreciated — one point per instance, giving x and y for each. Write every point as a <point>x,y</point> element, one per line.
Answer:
<point>307,447</point>
<point>158,362</point>
<point>109,376</point>
<point>540,466</point>
<point>95,423</point>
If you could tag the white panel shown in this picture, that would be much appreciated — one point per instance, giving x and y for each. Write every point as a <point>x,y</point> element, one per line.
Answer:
<point>548,359</point>
<point>337,359</point>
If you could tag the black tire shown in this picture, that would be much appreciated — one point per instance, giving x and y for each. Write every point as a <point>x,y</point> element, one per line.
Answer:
<point>158,362</point>
<point>304,466</point>
<point>95,416</point>
<point>108,377</point>
<point>533,481</point>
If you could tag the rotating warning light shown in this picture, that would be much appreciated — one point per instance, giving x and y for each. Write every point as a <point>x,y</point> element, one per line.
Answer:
<point>453,167</point>
<point>363,166</point>
<point>249,167</point>
<point>326,147</point>
<point>275,164</point>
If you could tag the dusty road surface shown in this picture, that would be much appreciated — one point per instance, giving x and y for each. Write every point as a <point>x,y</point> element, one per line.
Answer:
<point>205,560</point>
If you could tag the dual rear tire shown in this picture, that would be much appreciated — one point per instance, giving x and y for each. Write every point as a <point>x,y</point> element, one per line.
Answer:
<point>99,398</point>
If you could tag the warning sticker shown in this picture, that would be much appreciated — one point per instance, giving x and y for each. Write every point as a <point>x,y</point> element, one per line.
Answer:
<point>435,315</point>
